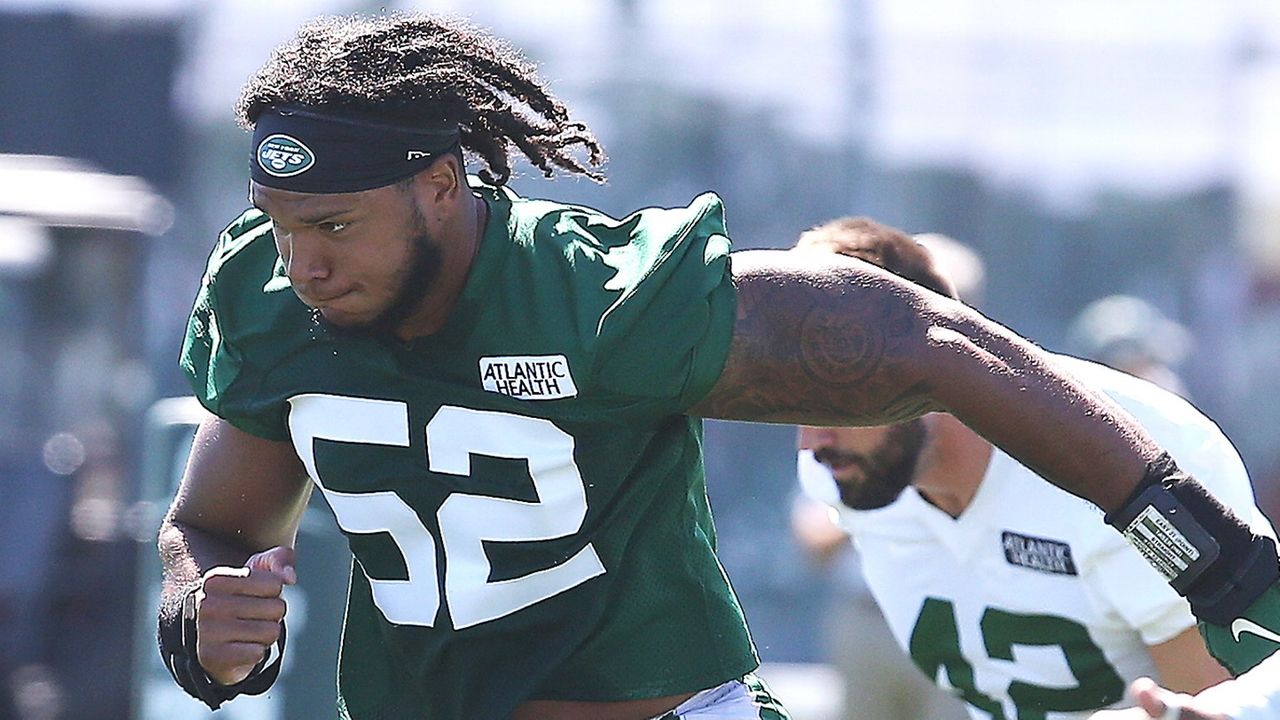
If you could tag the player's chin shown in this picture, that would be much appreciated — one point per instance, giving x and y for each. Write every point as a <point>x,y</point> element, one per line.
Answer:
<point>863,494</point>
<point>849,475</point>
<point>347,318</point>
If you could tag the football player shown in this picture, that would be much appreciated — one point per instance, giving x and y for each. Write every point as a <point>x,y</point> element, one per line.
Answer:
<point>501,399</point>
<point>1018,597</point>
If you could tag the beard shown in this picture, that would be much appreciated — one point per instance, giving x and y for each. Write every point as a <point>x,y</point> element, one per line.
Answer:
<point>416,280</point>
<point>886,471</point>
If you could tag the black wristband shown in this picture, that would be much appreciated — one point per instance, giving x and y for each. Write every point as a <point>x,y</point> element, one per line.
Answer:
<point>176,635</point>
<point>1206,553</point>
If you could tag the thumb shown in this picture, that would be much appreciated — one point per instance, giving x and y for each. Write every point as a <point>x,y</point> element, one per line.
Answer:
<point>278,561</point>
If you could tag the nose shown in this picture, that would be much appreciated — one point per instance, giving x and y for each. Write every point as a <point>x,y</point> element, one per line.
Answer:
<point>812,438</point>
<point>305,260</point>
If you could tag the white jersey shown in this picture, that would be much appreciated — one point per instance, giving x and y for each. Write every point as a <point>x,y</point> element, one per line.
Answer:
<point>1029,605</point>
<point>1254,695</point>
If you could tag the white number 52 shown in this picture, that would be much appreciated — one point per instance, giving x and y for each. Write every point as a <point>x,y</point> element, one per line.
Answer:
<point>466,521</point>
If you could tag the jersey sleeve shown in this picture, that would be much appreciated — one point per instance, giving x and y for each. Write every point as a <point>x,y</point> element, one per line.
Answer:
<point>1254,695</point>
<point>666,335</point>
<point>212,354</point>
<point>1139,594</point>
<point>1120,574</point>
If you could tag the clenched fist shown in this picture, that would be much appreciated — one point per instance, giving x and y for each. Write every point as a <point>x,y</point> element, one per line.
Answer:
<point>238,613</point>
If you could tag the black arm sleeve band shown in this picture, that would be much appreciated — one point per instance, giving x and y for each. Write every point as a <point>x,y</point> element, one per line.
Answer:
<point>1205,552</point>
<point>177,638</point>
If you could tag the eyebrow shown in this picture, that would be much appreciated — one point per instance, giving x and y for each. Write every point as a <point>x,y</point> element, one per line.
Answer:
<point>313,218</point>
<point>323,215</point>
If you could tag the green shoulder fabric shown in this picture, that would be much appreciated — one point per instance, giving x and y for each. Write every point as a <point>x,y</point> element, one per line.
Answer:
<point>244,300</point>
<point>665,330</point>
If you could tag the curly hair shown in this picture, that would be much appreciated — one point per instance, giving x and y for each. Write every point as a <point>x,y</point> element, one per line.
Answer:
<point>414,67</point>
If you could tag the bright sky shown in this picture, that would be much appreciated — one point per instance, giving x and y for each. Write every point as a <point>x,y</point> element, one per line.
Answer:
<point>1065,96</point>
<point>1157,94</point>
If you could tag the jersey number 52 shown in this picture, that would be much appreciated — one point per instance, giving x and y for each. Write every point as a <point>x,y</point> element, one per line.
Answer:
<point>465,521</point>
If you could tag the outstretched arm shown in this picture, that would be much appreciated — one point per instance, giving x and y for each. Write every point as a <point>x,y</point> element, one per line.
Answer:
<point>831,340</point>
<point>821,339</point>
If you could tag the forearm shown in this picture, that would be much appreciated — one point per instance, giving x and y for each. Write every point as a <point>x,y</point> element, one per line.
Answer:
<point>239,495</point>
<point>823,339</point>
<point>1012,393</point>
<point>187,553</point>
<point>1184,664</point>
<point>1083,443</point>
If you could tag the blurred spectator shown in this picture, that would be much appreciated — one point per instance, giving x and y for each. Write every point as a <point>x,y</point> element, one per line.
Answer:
<point>1131,335</point>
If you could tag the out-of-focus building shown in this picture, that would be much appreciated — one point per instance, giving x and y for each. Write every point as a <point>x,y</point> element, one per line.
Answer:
<point>74,384</point>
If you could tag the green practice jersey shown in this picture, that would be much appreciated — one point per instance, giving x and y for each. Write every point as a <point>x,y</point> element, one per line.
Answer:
<point>522,493</point>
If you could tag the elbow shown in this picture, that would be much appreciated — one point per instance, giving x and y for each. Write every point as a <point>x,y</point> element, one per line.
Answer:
<point>954,346</point>
<point>956,327</point>
<point>947,334</point>
<point>171,540</point>
<point>946,344</point>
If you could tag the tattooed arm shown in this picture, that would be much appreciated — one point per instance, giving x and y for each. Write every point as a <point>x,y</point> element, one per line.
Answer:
<point>831,340</point>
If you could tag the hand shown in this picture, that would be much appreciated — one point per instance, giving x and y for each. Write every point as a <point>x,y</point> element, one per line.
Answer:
<point>814,527</point>
<point>238,613</point>
<point>1251,638</point>
<point>1156,703</point>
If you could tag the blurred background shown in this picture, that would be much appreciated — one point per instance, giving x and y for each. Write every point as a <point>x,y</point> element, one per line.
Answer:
<point>1084,148</point>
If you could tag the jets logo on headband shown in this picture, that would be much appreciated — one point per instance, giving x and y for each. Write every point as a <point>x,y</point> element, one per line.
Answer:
<point>284,156</point>
<point>346,150</point>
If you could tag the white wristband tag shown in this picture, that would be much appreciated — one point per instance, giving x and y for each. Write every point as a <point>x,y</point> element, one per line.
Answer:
<point>1160,543</point>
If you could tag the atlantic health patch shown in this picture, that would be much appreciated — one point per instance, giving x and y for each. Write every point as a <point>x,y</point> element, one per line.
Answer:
<point>528,377</point>
<point>1051,556</point>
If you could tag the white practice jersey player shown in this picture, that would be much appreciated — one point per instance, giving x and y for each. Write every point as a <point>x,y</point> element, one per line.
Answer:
<point>1028,605</point>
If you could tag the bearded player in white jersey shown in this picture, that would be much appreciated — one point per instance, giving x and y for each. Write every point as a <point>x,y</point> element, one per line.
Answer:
<point>1007,590</point>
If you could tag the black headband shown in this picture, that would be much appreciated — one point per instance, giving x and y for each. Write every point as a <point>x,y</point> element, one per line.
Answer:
<point>305,150</point>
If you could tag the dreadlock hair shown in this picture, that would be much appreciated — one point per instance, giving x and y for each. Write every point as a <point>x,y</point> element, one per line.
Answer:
<point>414,67</point>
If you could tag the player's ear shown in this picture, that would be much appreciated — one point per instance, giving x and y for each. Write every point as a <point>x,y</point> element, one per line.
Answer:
<point>442,182</point>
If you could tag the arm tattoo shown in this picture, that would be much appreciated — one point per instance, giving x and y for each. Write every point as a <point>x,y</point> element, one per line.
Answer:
<point>827,346</point>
